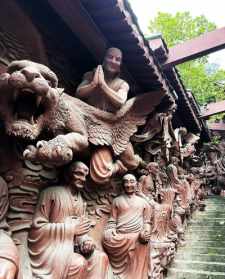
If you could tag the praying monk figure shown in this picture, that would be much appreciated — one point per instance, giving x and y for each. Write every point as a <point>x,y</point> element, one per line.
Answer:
<point>59,226</point>
<point>127,233</point>
<point>105,90</point>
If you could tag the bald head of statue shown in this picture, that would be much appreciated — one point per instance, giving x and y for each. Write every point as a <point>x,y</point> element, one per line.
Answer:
<point>112,60</point>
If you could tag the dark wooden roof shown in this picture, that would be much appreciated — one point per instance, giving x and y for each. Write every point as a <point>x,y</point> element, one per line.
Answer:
<point>185,108</point>
<point>77,33</point>
<point>118,24</point>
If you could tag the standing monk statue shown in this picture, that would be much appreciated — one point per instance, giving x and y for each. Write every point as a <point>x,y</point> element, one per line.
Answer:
<point>103,89</point>
<point>127,233</point>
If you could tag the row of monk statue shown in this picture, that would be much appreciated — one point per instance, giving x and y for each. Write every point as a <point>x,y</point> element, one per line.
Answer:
<point>146,224</point>
<point>78,198</point>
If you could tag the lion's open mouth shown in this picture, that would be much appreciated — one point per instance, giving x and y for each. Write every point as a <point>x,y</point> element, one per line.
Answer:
<point>28,106</point>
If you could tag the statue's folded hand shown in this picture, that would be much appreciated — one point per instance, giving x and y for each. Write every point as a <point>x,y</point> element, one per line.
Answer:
<point>144,236</point>
<point>82,227</point>
<point>87,246</point>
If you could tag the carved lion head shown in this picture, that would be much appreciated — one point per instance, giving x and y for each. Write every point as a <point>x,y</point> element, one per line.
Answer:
<point>27,91</point>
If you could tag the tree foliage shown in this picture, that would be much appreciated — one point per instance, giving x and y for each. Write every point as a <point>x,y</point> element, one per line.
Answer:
<point>203,79</point>
<point>180,27</point>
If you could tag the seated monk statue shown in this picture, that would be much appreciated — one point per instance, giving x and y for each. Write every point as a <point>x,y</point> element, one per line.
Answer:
<point>59,227</point>
<point>127,233</point>
<point>103,89</point>
<point>9,257</point>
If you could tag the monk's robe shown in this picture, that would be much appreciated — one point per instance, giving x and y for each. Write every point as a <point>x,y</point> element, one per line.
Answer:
<point>9,258</point>
<point>98,266</point>
<point>51,238</point>
<point>129,258</point>
<point>101,165</point>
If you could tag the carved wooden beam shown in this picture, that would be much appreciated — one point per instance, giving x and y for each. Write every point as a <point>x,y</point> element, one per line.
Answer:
<point>213,108</point>
<point>81,24</point>
<point>220,126</point>
<point>192,49</point>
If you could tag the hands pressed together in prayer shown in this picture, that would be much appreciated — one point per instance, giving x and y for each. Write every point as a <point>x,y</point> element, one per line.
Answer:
<point>99,78</point>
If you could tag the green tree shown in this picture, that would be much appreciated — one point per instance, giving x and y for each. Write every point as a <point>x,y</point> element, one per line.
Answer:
<point>178,28</point>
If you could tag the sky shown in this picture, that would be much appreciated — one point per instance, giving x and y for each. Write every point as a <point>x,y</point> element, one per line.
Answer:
<point>213,10</point>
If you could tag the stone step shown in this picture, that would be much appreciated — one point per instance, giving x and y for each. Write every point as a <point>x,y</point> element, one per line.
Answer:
<point>209,224</point>
<point>208,231</point>
<point>210,215</point>
<point>190,237</point>
<point>212,207</point>
<point>207,217</point>
<point>203,249</point>
<point>217,221</point>
<point>214,211</point>
<point>215,198</point>
<point>199,265</point>
<point>216,225</point>
<point>214,203</point>
<point>175,273</point>
<point>203,256</point>
<point>200,257</point>
<point>208,243</point>
<point>203,228</point>
<point>211,212</point>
